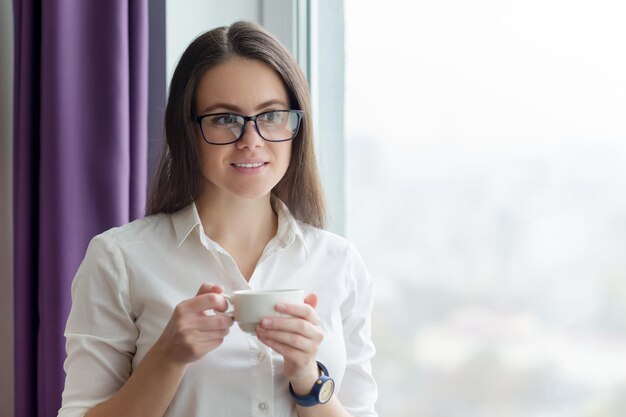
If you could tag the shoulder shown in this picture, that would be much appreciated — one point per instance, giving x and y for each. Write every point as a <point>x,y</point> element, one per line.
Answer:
<point>108,252</point>
<point>329,244</point>
<point>112,240</point>
<point>139,234</point>
<point>146,228</point>
<point>315,238</point>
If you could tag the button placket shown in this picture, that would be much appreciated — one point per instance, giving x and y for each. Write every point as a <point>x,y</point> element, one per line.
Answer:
<point>262,383</point>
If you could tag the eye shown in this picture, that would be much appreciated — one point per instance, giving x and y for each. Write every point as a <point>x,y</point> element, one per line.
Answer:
<point>225,120</point>
<point>272,117</point>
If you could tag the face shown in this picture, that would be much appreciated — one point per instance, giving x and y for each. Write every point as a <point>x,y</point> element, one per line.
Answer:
<point>247,87</point>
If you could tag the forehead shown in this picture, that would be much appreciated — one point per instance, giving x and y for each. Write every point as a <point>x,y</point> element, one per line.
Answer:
<point>241,83</point>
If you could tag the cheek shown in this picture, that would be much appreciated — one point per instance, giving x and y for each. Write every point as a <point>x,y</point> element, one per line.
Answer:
<point>204,159</point>
<point>209,160</point>
<point>285,155</point>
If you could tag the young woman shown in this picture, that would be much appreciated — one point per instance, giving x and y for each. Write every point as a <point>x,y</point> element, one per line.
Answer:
<point>236,204</point>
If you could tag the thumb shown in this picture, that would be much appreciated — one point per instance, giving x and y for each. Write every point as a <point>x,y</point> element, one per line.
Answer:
<point>311,300</point>
<point>207,288</point>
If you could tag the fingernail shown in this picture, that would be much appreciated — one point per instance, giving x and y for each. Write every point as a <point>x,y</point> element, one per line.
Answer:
<point>281,307</point>
<point>266,322</point>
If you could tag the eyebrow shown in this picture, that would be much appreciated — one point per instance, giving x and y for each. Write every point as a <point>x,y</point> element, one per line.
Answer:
<point>235,108</point>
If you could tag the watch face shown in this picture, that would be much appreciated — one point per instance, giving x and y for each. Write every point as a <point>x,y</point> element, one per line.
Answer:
<point>326,392</point>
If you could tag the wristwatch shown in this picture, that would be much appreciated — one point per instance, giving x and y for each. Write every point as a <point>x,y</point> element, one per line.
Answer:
<point>321,392</point>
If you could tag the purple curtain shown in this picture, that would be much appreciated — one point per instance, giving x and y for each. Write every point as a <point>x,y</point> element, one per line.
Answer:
<point>80,133</point>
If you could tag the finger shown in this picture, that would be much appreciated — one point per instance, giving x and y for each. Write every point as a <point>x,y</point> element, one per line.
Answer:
<point>217,289</point>
<point>206,288</point>
<point>202,348</point>
<point>207,301</point>
<point>285,350</point>
<point>203,337</point>
<point>311,300</point>
<point>214,322</point>
<point>304,311</point>
<point>196,339</point>
<point>292,325</point>
<point>295,341</point>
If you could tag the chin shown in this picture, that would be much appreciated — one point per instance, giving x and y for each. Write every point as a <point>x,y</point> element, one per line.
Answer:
<point>252,194</point>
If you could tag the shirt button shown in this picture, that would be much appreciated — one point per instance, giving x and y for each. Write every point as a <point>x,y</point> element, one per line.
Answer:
<point>260,356</point>
<point>262,406</point>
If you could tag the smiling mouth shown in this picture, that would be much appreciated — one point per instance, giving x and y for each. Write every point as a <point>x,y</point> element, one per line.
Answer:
<point>254,165</point>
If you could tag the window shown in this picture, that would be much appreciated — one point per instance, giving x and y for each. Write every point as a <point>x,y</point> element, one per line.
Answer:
<point>486,178</point>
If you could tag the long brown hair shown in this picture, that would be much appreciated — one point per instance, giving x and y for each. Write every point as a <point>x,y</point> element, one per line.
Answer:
<point>178,179</point>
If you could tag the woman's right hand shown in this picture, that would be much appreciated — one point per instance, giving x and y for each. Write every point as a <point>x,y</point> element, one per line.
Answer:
<point>191,333</point>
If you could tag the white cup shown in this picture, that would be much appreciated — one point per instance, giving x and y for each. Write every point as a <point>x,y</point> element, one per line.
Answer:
<point>249,307</point>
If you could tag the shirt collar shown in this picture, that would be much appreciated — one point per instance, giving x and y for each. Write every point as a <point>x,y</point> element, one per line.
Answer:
<point>187,220</point>
<point>288,228</point>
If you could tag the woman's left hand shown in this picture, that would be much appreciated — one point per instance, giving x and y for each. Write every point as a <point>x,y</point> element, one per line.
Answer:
<point>297,338</point>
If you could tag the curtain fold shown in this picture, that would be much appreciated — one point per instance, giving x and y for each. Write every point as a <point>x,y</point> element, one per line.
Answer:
<point>80,143</point>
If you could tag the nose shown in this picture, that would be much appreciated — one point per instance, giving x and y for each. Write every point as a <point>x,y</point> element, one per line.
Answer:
<point>250,137</point>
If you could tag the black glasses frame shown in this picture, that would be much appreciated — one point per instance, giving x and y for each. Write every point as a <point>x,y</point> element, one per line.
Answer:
<point>246,119</point>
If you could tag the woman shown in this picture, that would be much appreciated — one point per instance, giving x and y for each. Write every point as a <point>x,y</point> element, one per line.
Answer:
<point>236,204</point>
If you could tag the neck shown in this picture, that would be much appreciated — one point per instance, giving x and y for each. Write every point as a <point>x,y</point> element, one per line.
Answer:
<point>236,222</point>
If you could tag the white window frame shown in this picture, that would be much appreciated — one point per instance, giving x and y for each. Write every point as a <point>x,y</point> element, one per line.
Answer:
<point>304,25</point>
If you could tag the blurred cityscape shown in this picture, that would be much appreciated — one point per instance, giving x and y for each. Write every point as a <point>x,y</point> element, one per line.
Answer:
<point>496,295</point>
<point>491,216</point>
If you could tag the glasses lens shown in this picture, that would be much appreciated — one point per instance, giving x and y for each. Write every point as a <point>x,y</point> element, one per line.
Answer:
<point>222,128</point>
<point>278,125</point>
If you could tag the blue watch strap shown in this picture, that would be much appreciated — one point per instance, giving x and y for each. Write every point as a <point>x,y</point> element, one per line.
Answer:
<point>312,398</point>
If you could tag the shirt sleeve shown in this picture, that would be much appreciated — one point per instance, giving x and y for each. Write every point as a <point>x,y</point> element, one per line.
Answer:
<point>358,392</point>
<point>100,332</point>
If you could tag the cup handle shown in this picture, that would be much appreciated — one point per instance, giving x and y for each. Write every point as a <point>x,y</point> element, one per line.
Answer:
<point>230,310</point>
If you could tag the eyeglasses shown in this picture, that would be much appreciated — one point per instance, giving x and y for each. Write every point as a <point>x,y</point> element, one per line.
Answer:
<point>272,126</point>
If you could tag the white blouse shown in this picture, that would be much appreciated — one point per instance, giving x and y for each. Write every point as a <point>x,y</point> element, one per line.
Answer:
<point>133,276</point>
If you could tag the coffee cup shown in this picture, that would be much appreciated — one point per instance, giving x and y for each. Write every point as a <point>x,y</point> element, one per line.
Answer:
<point>249,307</point>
